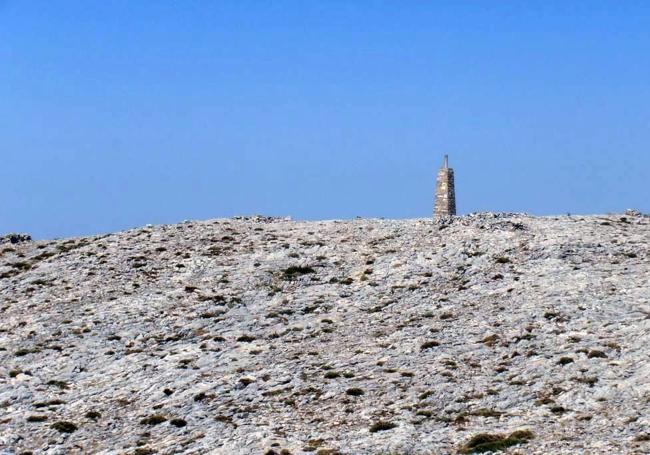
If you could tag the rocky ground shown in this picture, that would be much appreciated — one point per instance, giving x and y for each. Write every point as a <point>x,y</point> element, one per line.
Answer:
<point>259,335</point>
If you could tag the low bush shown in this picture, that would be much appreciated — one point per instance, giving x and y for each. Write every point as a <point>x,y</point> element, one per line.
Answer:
<point>487,442</point>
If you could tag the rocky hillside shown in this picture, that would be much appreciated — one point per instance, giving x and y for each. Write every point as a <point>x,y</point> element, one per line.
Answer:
<point>269,336</point>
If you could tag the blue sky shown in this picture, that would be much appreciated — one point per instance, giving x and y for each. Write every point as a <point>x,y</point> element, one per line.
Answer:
<point>116,114</point>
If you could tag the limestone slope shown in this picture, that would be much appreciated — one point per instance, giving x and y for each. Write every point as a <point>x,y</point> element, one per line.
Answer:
<point>357,337</point>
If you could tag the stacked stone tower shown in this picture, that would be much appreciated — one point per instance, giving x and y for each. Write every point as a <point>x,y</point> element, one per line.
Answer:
<point>445,192</point>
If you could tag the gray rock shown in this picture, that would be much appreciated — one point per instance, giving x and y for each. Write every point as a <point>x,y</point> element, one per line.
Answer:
<point>257,333</point>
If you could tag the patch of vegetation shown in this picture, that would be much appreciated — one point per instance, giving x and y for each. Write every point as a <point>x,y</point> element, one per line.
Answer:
<point>313,444</point>
<point>224,419</point>
<point>487,442</point>
<point>44,404</point>
<point>332,374</point>
<point>8,274</point>
<point>246,338</point>
<point>143,451</point>
<point>596,354</point>
<point>565,360</point>
<point>382,425</point>
<point>67,246</point>
<point>327,452</point>
<point>214,298</point>
<point>558,409</point>
<point>490,340</point>
<point>94,415</point>
<point>429,344</point>
<point>63,426</point>
<point>522,434</point>
<point>22,265</point>
<point>59,384</point>
<point>354,391</point>
<point>484,412</point>
<point>154,419</point>
<point>295,271</point>
<point>14,373</point>
<point>449,364</point>
<point>246,380</point>
<point>37,418</point>
<point>179,423</point>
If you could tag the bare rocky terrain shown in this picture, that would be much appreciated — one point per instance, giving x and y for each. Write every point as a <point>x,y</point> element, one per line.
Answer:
<point>270,336</point>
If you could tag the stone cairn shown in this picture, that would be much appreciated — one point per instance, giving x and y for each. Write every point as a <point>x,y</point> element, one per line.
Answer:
<point>15,238</point>
<point>445,192</point>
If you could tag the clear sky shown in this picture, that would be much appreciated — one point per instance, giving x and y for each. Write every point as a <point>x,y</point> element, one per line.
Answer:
<point>115,114</point>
